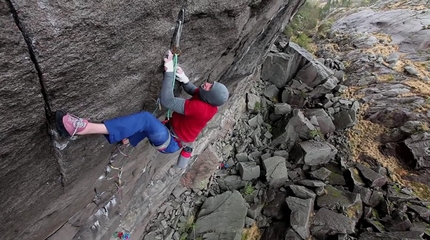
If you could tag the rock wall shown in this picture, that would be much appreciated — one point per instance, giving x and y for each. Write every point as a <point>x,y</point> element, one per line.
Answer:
<point>100,60</point>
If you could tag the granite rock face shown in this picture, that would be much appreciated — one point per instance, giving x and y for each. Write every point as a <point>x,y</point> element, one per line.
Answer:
<point>100,60</point>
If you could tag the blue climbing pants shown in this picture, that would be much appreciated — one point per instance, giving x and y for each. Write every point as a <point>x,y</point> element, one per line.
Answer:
<point>137,127</point>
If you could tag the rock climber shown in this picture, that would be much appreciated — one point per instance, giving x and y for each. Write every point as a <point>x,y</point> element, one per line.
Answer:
<point>189,116</point>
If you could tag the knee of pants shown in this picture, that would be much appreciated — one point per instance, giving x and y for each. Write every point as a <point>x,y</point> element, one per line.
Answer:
<point>146,114</point>
<point>173,147</point>
<point>159,136</point>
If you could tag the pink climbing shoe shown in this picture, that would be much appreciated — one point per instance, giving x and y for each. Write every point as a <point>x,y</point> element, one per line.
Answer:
<point>68,125</point>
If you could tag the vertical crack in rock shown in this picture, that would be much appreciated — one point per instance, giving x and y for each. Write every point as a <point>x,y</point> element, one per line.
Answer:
<point>31,52</point>
<point>48,112</point>
<point>296,10</point>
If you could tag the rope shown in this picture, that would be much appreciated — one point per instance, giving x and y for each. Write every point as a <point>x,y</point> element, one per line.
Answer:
<point>175,67</point>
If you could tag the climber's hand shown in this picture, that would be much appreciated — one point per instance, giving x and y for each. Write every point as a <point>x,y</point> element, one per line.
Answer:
<point>181,77</point>
<point>168,63</point>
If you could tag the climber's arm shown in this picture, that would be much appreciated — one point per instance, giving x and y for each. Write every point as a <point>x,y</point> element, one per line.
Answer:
<point>190,88</point>
<point>167,98</point>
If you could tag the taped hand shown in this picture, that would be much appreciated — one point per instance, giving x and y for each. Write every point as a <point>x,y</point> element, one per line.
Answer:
<point>181,77</point>
<point>168,62</point>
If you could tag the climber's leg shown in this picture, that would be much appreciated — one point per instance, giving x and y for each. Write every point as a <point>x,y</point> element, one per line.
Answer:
<point>137,127</point>
<point>94,128</point>
<point>69,125</point>
<point>172,147</point>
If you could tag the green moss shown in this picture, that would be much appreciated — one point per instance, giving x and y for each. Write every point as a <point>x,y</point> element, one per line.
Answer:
<point>189,225</point>
<point>244,236</point>
<point>375,214</point>
<point>332,191</point>
<point>303,41</point>
<point>335,194</point>
<point>397,188</point>
<point>302,93</point>
<point>390,77</point>
<point>427,231</point>
<point>324,29</point>
<point>257,106</point>
<point>184,236</point>
<point>379,224</point>
<point>314,133</point>
<point>249,189</point>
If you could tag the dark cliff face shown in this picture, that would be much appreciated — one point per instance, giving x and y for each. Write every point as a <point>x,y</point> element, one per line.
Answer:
<point>100,60</point>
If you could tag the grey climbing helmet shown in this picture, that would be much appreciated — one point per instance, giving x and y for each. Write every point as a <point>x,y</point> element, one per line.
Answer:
<point>216,96</point>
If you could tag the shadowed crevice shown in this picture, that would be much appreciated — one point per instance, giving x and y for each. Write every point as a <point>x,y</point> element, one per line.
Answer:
<point>48,112</point>
<point>31,52</point>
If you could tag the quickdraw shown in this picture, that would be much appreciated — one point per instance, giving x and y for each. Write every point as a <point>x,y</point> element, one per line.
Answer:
<point>175,49</point>
<point>174,46</point>
<point>178,31</point>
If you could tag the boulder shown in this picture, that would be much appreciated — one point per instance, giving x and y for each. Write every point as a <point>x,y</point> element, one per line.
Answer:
<point>249,170</point>
<point>345,119</point>
<point>274,69</point>
<point>276,171</point>
<point>294,97</point>
<point>282,108</point>
<point>271,92</point>
<point>276,206</point>
<point>327,222</point>
<point>324,121</point>
<point>313,74</point>
<point>302,192</point>
<point>213,221</point>
<point>392,58</point>
<point>254,210</point>
<point>419,147</point>
<point>302,125</point>
<point>313,153</point>
<point>301,210</point>
<point>256,121</point>
<point>321,173</point>
<point>373,178</point>
<point>334,198</point>
<point>292,235</point>
<point>254,103</point>
<point>231,182</point>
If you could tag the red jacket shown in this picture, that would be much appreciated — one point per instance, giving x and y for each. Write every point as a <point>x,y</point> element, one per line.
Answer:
<point>197,114</point>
